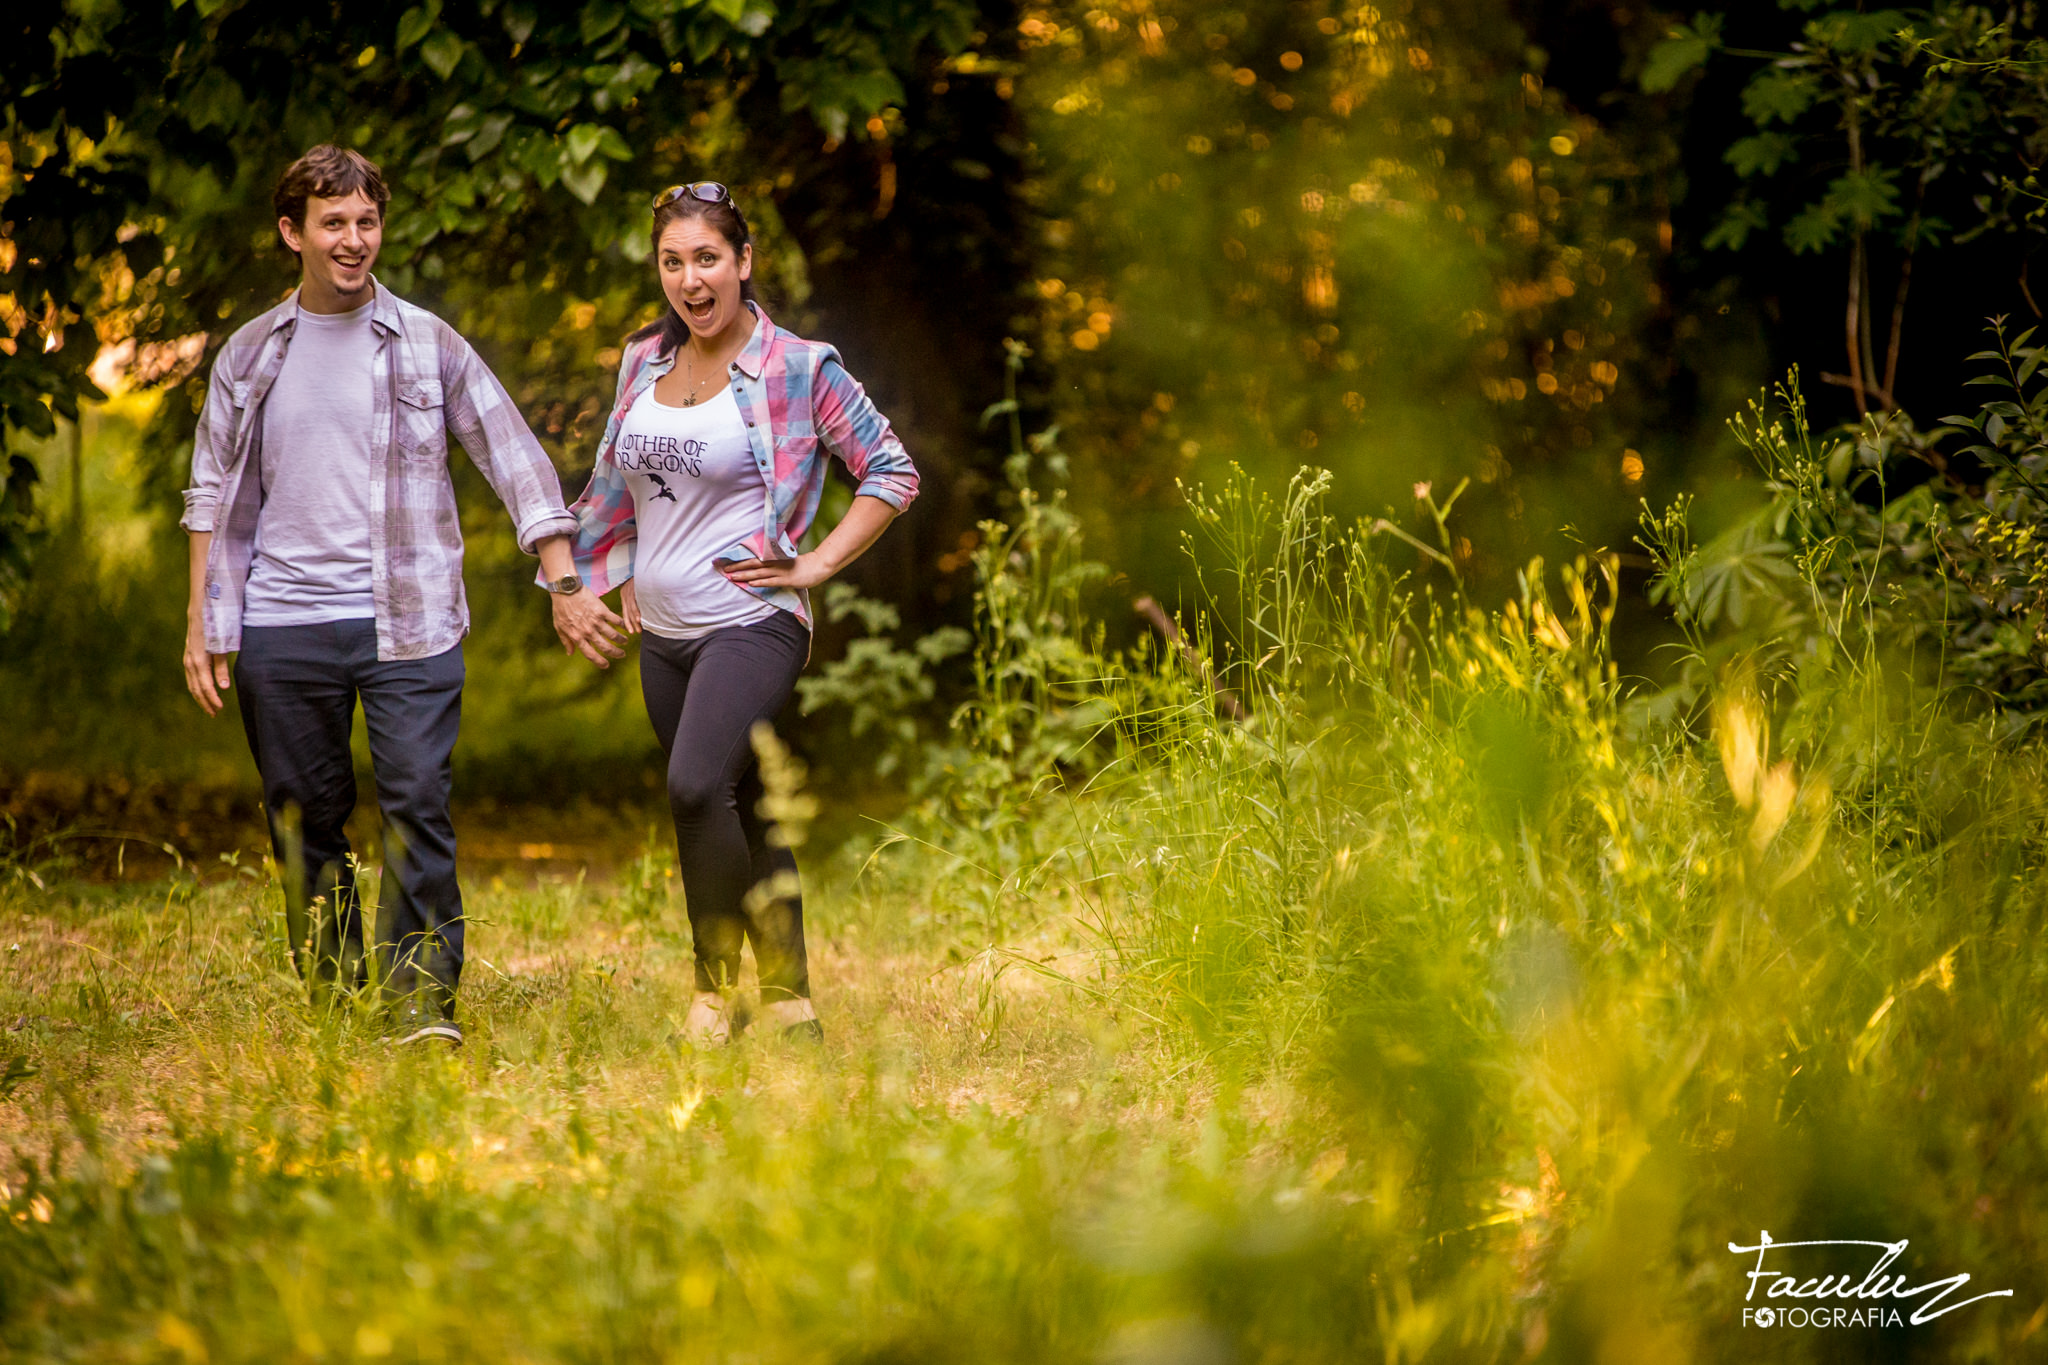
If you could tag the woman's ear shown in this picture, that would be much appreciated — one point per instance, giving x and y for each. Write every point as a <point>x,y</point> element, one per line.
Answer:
<point>747,261</point>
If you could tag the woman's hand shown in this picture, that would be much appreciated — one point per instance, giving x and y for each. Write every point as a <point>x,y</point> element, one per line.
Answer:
<point>805,571</point>
<point>629,607</point>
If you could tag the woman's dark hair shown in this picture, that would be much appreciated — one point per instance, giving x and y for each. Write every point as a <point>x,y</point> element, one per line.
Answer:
<point>723,215</point>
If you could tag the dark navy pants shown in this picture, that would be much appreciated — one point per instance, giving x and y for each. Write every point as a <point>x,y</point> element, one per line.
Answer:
<point>298,687</point>
<point>704,696</point>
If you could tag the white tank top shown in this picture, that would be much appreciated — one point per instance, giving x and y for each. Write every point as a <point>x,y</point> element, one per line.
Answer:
<point>696,492</point>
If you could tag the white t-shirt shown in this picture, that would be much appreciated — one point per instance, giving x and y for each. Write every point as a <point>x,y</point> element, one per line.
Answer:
<point>312,555</point>
<point>696,493</point>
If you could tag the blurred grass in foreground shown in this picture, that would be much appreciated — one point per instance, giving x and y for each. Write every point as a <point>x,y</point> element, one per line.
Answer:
<point>1420,998</point>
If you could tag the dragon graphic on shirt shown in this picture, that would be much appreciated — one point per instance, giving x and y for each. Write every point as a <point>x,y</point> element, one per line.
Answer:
<point>662,489</point>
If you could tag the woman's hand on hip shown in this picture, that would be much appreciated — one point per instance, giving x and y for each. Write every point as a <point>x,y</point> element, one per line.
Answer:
<point>805,571</point>
<point>629,607</point>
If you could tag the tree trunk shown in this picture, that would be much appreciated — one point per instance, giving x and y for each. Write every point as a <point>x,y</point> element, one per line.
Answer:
<point>1891,349</point>
<point>1852,327</point>
<point>1852,322</point>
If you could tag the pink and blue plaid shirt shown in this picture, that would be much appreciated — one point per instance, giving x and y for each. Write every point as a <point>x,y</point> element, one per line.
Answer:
<point>800,405</point>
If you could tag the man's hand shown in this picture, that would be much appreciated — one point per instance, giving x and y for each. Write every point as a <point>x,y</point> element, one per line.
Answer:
<point>805,571</point>
<point>583,621</point>
<point>206,675</point>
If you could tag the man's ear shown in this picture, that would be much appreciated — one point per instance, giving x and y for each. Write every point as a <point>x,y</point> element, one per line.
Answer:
<point>289,230</point>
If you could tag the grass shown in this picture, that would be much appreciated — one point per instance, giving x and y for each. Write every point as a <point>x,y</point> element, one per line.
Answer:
<point>1456,1005</point>
<point>202,1168</point>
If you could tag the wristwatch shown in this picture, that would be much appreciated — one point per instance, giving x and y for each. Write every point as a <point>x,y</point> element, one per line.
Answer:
<point>564,585</point>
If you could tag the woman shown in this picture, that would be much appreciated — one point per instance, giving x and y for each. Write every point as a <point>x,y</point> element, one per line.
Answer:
<point>712,465</point>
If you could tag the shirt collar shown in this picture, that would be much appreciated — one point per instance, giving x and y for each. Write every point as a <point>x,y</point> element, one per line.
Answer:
<point>383,310</point>
<point>753,356</point>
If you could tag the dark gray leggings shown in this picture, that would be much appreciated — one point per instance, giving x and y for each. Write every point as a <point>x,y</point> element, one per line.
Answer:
<point>704,696</point>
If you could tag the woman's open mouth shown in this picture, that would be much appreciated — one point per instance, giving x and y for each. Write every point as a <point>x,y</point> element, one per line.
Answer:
<point>701,311</point>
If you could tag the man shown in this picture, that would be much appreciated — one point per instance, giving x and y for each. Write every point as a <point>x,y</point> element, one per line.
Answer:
<point>327,554</point>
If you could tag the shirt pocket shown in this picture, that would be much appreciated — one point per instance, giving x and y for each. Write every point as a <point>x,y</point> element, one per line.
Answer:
<point>420,420</point>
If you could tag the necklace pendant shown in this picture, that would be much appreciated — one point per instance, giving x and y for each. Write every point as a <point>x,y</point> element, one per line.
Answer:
<point>690,402</point>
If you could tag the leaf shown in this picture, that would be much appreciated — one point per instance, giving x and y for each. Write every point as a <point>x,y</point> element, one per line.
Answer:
<point>213,100</point>
<point>1812,229</point>
<point>705,38</point>
<point>728,10</point>
<point>1864,197</point>
<point>442,52</point>
<point>1859,33</point>
<point>586,180</point>
<point>519,19</point>
<point>1994,427</point>
<point>1761,154</point>
<point>1774,95</point>
<point>414,24</point>
<point>613,145</point>
<point>1688,46</point>
<point>599,18</point>
<point>582,141</point>
<point>490,132</point>
<point>757,19</point>
<point>1736,224</point>
<point>995,410</point>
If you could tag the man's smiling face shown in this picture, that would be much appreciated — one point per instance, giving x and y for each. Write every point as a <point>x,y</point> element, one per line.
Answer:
<point>337,248</point>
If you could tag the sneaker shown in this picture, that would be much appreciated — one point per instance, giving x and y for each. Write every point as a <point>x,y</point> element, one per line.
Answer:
<point>440,1030</point>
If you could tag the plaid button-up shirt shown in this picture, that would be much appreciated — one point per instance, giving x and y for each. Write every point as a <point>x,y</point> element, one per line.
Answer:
<point>800,406</point>
<point>427,379</point>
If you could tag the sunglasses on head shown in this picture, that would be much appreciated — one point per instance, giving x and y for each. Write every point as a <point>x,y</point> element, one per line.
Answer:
<point>710,191</point>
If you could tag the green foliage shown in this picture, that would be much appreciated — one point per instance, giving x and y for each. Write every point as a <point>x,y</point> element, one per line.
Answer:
<point>1684,48</point>
<point>1366,237</point>
<point>1877,128</point>
<point>1882,539</point>
<point>18,533</point>
<point>885,691</point>
<point>1558,965</point>
<point>520,142</point>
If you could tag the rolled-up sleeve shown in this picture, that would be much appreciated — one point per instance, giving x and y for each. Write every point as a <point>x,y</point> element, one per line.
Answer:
<point>856,431</point>
<point>494,432</point>
<point>212,447</point>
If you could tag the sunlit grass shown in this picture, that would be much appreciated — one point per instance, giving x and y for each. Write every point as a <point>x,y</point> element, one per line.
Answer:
<point>1431,1000</point>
